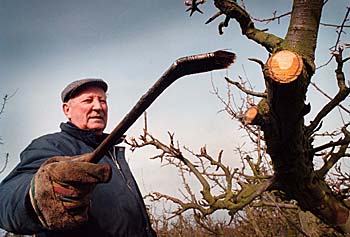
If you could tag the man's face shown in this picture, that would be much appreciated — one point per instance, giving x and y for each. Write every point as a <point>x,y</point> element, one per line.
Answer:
<point>88,109</point>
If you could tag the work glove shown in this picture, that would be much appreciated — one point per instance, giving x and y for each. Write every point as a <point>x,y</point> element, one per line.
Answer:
<point>60,190</point>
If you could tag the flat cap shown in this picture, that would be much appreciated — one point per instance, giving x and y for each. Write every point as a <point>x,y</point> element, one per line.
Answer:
<point>76,86</point>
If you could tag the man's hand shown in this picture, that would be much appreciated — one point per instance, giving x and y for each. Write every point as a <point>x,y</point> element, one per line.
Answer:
<point>60,190</point>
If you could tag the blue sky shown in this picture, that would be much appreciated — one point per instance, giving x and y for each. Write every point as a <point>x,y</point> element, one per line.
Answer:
<point>44,45</point>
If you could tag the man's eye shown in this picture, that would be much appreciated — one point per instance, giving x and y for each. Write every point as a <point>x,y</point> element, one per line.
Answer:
<point>87,100</point>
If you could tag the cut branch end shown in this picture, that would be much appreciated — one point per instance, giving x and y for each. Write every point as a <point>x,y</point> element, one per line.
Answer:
<point>284,66</point>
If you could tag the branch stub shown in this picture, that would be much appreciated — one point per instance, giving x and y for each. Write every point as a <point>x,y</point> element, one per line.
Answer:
<point>284,66</point>
<point>250,115</point>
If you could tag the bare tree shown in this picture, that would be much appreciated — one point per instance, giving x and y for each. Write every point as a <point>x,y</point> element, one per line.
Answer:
<point>277,127</point>
<point>2,109</point>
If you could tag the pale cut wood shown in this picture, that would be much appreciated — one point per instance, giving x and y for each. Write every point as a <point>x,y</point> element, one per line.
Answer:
<point>284,66</point>
<point>250,115</point>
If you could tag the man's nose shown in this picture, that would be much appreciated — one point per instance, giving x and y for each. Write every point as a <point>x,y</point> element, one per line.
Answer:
<point>97,105</point>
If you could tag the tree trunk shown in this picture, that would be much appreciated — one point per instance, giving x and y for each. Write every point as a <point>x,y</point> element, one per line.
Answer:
<point>286,139</point>
<point>287,74</point>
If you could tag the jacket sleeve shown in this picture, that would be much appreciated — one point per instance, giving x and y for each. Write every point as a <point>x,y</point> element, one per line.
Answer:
<point>16,212</point>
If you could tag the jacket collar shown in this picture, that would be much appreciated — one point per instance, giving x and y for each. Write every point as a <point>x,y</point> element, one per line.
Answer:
<point>88,136</point>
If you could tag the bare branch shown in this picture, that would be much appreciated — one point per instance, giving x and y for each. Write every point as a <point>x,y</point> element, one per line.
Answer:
<point>331,144</point>
<point>232,10</point>
<point>212,18</point>
<point>245,90</point>
<point>262,65</point>
<point>286,217</point>
<point>6,98</point>
<point>323,93</point>
<point>343,92</point>
<point>193,6</point>
<point>5,164</point>
<point>334,25</point>
<point>340,32</point>
<point>335,157</point>
<point>273,18</point>
<point>275,204</point>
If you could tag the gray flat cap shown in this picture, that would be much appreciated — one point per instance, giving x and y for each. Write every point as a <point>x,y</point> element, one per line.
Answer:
<point>73,88</point>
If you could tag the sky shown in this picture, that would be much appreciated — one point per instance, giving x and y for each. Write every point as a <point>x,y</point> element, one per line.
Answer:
<point>44,45</point>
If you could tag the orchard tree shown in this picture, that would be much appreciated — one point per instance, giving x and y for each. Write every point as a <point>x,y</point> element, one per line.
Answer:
<point>276,123</point>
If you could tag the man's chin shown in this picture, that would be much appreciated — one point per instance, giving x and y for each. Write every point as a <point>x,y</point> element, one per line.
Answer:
<point>98,127</point>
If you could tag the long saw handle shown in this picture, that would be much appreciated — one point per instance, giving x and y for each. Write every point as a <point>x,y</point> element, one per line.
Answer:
<point>181,67</point>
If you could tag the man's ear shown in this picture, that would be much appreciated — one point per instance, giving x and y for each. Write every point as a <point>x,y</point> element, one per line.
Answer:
<point>66,110</point>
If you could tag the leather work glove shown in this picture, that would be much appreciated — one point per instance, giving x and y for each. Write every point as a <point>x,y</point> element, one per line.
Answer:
<point>60,190</point>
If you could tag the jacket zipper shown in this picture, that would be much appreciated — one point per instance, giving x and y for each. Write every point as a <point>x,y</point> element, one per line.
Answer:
<point>114,158</point>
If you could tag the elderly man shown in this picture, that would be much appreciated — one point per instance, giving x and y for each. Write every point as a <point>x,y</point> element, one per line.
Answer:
<point>53,191</point>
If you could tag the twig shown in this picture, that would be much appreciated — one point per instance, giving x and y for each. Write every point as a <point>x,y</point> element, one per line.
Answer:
<point>6,162</point>
<point>5,99</point>
<point>338,38</point>
<point>245,90</point>
<point>335,157</point>
<point>286,217</point>
<point>331,144</point>
<point>273,18</point>
<point>330,98</point>
<point>343,92</point>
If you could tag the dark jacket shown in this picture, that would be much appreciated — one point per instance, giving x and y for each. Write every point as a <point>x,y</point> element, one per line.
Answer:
<point>117,207</point>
